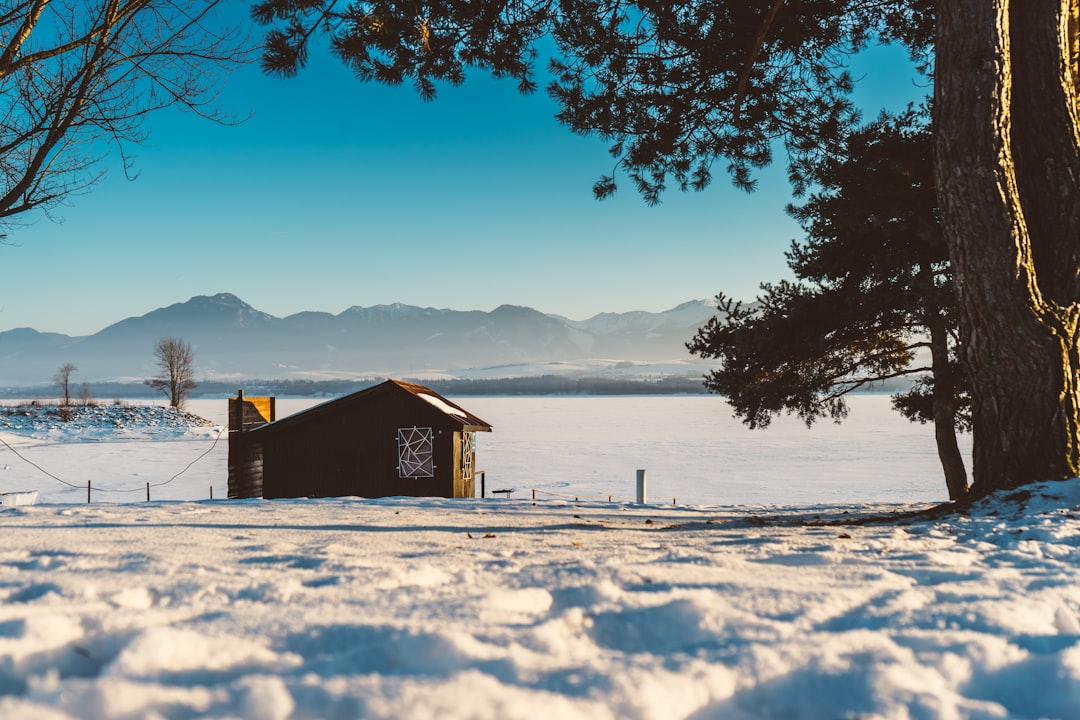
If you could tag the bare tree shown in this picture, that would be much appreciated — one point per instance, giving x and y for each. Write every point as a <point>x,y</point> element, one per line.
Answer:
<point>79,76</point>
<point>62,381</point>
<point>85,397</point>
<point>176,361</point>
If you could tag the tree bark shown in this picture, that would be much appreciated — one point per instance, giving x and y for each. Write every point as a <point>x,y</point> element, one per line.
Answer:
<point>1005,130</point>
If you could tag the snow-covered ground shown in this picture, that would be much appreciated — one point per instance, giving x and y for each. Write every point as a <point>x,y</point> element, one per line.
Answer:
<point>406,608</point>
<point>424,608</point>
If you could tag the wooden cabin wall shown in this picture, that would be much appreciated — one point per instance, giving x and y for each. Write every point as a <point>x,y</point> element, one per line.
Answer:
<point>245,466</point>
<point>353,452</point>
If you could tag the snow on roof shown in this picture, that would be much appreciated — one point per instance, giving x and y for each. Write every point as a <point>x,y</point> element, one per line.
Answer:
<point>443,405</point>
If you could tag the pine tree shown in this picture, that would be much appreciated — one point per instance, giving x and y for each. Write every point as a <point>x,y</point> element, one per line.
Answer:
<point>873,300</point>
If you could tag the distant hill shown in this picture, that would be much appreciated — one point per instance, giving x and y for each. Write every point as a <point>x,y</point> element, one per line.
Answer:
<point>231,339</point>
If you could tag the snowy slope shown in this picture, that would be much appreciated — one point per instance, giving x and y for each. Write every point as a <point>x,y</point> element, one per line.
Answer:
<point>503,609</point>
<point>115,421</point>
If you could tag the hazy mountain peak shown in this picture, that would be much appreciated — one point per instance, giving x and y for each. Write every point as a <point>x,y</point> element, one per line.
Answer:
<point>386,312</point>
<point>507,309</point>
<point>222,302</point>
<point>226,299</point>
<point>225,305</point>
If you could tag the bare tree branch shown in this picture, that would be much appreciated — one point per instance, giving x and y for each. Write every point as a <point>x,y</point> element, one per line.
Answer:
<point>79,76</point>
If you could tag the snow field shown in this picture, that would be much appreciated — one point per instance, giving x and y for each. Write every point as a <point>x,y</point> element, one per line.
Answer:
<point>419,608</point>
<point>586,447</point>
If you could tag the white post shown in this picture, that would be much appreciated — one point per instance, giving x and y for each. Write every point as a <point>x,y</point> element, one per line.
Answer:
<point>641,487</point>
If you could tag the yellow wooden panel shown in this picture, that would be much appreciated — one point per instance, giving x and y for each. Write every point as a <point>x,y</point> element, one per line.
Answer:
<point>262,404</point>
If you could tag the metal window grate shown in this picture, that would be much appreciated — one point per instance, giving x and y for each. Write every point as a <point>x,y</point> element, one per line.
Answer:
<point>416,453</point>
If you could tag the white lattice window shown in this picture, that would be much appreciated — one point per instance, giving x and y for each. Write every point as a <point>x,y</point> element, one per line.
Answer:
<point>416,453</point>
<point>468,454</point>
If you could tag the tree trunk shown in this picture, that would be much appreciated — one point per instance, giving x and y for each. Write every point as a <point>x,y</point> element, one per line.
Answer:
<point>944,407</point>
<point>1008,170</point>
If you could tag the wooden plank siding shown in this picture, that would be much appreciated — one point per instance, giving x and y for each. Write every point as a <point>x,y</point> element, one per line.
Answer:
<point>463,487</point>
<point>245,451</point>
<point>245,466</point>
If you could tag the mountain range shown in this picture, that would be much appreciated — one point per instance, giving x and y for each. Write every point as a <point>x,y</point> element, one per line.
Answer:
<point>231,339</point>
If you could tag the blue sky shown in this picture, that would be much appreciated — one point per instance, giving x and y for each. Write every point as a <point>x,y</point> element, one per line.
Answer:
<point>334,193</point>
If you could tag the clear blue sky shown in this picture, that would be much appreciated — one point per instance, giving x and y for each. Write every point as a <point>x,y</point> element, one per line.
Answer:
<point>336,193</point>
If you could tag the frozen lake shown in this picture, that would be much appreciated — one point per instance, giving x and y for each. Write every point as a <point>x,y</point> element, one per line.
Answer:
<point>694,452</point>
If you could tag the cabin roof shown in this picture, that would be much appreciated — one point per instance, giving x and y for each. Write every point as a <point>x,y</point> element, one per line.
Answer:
<point>451,410</point>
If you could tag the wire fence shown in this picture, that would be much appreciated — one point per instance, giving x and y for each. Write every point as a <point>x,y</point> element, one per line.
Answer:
<point>610,497</point>
<point>118,491</point>
<point>537,493</point>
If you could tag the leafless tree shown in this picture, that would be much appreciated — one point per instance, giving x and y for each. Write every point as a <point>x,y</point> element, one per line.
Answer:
<point>176,361</point>
<point>62,381</point>
<point>79,76</point>
<point>85,397</point>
